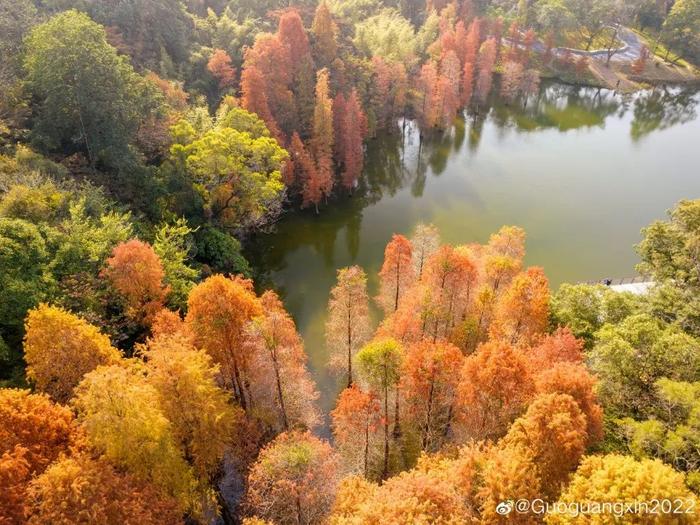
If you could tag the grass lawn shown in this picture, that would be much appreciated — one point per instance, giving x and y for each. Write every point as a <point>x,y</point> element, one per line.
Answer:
<point>575,40</point>
<point>661,51</point>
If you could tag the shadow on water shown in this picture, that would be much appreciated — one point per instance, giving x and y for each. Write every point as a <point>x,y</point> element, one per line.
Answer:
<point>565,164</point>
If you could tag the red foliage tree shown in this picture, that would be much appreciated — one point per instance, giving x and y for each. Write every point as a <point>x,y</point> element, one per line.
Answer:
<point>495,386</point>
<point>354,128</point>
<point>135,271</point>
<point>554,431</point>
<point>254,99</point>
<point>219,66</point>
<point>429,385</point>
<point>575,380</point>
<point>396,274</point>
<point>485,65</point>
<point>356,422</point>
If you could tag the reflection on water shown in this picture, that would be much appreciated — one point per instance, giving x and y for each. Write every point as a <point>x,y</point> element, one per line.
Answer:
<point>582,170</point>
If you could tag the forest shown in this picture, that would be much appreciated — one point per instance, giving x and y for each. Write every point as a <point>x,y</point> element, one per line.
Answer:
<point>149,374</point>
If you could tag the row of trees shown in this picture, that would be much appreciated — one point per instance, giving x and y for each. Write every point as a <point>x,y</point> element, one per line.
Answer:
<point>464,396</point>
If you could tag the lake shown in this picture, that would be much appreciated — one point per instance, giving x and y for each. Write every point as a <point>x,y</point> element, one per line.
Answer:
<point>582,170</point>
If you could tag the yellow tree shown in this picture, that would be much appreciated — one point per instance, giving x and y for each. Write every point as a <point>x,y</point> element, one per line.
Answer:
<point>199,411</point>
<point>622,479</point>
<point>348,323</point>
<point>122,419</point>
<point>81,489</point>
<point>219,310</point>
<point>60,348</point>
<point>282,386</point>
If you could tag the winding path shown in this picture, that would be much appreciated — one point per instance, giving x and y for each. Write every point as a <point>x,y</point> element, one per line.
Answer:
<point>630,50</point>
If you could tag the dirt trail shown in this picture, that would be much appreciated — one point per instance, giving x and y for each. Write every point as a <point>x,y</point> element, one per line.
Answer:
<point>611,78</point>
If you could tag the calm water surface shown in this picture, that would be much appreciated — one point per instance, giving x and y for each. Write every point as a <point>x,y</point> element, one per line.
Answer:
<point>581,170</point>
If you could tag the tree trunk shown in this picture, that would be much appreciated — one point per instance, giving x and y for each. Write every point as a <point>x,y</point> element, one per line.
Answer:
<point>385,470</point>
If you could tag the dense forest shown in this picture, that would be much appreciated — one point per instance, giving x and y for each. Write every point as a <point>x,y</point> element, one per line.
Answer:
<point>146,379</point>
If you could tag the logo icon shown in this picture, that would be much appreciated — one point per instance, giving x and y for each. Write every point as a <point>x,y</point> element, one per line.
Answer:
<point>504,508</point>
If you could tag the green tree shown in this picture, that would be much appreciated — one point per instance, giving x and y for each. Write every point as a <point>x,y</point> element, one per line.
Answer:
<point>172,245</point>
<point>673,435</point>
<point>25,279</point>
<point>681,30</point>
<point>630,357</point>
<point>239,175</point>
<point>101,100</point>
<point>387,35</point>
<point>379,363</point>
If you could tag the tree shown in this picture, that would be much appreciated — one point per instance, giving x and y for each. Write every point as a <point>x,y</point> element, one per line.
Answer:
<point>355,421</point>
<point>554,431</point>
<point>467,83</point>
<point>102,100</point>
<point>80,489</point>
<point>219,310</point>
<point>34,432</point>
<point>429,386</point>
<point>14,476</point>
<point>136,273</point>
<point>511,80</point>
<point>396,274</point>
<point>495,386</point>
<point>199,412</point>
<point>485,64</point>
<point>449,278</point>
<point>558,347</point>
<point>522,312</point>
<point>172,245</point>
<point>508,472</point>
<point>631,356</point>
<point>294,480</point>
<point>292,34</point>
<point>280,380</point>
<point>25,279</point>
<point>388,35</point>
<point>553,16</point>
<point>425,242</point>
<point>450,80</point>
<point>615,478</point>
<point>34,423</point>
<point>304,171</point>
<point>575,380</point>
<point>60,348</point>
<point>255,99</point>
<point>681,28</point>
<point>429,85</point>
<point>324,32</point>
<point>379,363</point>
<point>354,128</point>
<point>322,136</point>
<point>122,419</point>
<point>239,175</point>
<point>348,323</point>
<point>220,67</point>
<point>672,434</point>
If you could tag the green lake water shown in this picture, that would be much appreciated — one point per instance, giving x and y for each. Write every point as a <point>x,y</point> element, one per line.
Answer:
<point>581,170</point>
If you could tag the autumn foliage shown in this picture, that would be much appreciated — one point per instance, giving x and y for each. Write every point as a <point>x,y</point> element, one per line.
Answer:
<point>136,273</point>
<point>60,348</point>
